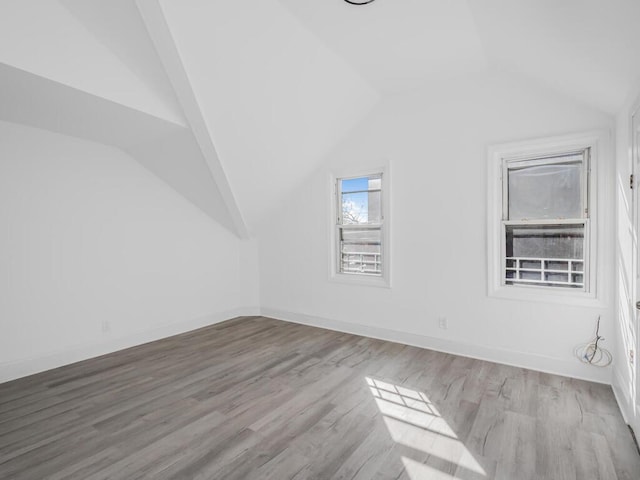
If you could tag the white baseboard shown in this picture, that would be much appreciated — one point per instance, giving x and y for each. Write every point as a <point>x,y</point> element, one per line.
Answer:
<point>28,366</point>
<point>557,366</point>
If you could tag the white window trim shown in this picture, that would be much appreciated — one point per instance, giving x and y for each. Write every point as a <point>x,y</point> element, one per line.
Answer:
<point>597,142</point>
<point>384,280</point>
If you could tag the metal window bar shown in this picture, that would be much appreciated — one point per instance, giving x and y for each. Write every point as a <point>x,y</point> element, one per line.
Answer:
<point>368,263</point>
<point>574,271</point>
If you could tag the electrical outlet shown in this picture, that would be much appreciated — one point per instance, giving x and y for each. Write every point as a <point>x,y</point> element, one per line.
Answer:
<point>442,322</point>
<point>106,326</point>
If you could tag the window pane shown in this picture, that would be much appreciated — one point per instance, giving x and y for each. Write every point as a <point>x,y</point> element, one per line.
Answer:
<point>354,184</point>
<point>546,191</point>
<point>360,251</point>
<point>545,255</point>
<point>375,183</point>
<point>361,207</point>
<point>530,264</point>
<point>555,265</point>
<point>527,275</point>
<point>360,184</point>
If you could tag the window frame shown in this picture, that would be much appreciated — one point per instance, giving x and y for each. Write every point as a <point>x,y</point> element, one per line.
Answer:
<point>543,150</point>
<point>335,228</point>
<point>538,160</point>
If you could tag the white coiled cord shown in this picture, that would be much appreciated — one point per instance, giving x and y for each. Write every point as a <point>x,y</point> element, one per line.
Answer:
<point>592,353</point>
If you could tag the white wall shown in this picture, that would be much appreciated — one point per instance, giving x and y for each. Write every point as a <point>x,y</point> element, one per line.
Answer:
<point>88,236</point>
<point>625,332</point>
<point>435,141</point>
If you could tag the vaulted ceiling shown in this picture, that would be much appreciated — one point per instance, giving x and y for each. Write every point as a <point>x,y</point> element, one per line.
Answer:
<point>233,104</point>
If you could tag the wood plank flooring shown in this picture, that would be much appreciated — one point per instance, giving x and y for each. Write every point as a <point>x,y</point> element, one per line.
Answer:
<point>257,398</point>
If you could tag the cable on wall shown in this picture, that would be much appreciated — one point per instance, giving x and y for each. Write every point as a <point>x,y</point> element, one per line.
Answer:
<point>592,353</point>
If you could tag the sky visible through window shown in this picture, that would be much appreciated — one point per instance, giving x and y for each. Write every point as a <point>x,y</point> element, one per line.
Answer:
<point>355,206</point>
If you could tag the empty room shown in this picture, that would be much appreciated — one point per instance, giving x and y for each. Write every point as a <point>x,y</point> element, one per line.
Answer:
<point>319,239</point>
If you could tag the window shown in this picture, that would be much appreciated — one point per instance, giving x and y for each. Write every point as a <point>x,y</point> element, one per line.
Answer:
<point>360,242</point>
<point>545,220</point>
<point>542,236</point>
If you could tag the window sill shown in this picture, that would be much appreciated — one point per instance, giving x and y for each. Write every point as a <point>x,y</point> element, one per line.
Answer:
<point>546,295</point>
<point>362,280</point>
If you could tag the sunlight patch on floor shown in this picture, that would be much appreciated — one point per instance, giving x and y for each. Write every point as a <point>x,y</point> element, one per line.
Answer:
<point>420,471</point>
<point>414,422</point>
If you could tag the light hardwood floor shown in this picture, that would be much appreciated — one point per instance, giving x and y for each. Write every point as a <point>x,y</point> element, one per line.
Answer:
<point>257,398</point>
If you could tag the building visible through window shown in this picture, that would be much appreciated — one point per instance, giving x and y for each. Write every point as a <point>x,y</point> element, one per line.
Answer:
<point>359,231</point>
<point>546,220</point>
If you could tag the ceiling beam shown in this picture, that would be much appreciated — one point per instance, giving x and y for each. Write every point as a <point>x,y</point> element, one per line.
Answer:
<point>160,34</point>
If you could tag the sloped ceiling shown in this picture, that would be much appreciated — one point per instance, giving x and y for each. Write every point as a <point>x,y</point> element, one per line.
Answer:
<point>588,50</point>
<point>397,44</point>
<point>233,104</point>
<point>275,98</point>
<point>585,49</point>
<point>49,39</point>
<point>88,68</point>
<point>44,103</point>
<point>117,25</point>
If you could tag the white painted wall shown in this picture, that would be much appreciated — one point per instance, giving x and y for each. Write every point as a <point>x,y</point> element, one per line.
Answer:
<point>87,236</point>
<point>177,159</point>
<point>435,141</point>
<point>625,332</point>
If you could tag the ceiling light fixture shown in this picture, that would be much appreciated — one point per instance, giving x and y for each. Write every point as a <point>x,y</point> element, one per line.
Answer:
<point>358,2</point>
